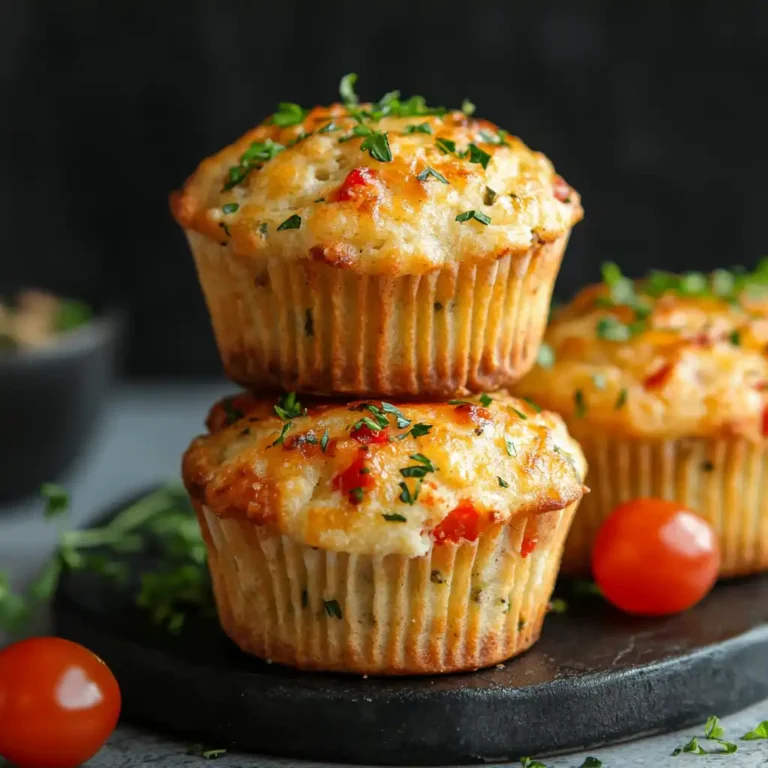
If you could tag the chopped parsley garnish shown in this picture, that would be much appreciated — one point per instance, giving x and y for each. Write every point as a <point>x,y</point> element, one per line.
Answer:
<point>402,421</point>
<point>545,356</point>
<point>503,483</point>
<point>592,762</point>
<point>511,450</point>
<point>489,198</point>
<point>489,138</point>
<point>328,127</point>
<point>424,467</point>
<point>477,155</point>
<point>395,518</point>
<point>621,400</point>
<point>528,762</point>
<point>459,402</point>
<point>536,407</point>
<point>332,608</point>
<point>476,215</point>
<point>485,400</point>
<point>760,731</point>
<point>309,325</point>
<point>735,338</point>
<point>429,171</point>
<point>420,128</point>
<point>692,747</point>
<point>200,750</point>
<point>467,107</point>
<point>347,89</point>
<point>377,146</point>
<point>230,208</point>
<point>405,493</point>
<point>370,423</point>
<point>288,407</point>
<point>283,433</point>
<point>253,157</point>
<point>288,114</point>
<point>292,222</point>
<point>324,441</point>
<point>612,329</point>
<point>419,430</point>
<point>231,413</point>
<point>520,414</point>
<point>580,405</point>
<point>356,494</point>
<point>446,146</point>
<point>713,731</point>
<point>56,499</point>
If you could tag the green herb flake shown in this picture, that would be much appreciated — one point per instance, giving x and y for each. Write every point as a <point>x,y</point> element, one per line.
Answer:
<point>511,450</point>
<point>503,483</point>
<point>292,222</point>
<point>459,402</point>
<point>377,146</point>
<point>288,407</point>
<point>401,421</point>
<point>333,609</point>
<point>536,407</point>
<point>420,128</point>
<point>199,750</point>
<point>347,90</point>
<point>499,139</point>
<point>419,430</point>
<point>56,499</point>
<point>528,762</point>
<point>611,329</point>
<point>229,208</point>
<point>485,400</point>
<point>263,230</point>
<point>520,414</point>
<point>406,495</point>
<point>545,356</point>
<point>713,729</point>
<point>356,494</point>
<point>288,114</point>
<point>424,467</point>
<point>692,747</point>
<point>477,155</point>
<point>283,433</point>
<point>580,405</point>
<point>395,518</point>
<point>468,108</point>
<point>324,441</point>
<point>558,605</point>
<point>489,197</point>
<point>621,400</point>
<point>760,731</point>
<point>592,762</point>
<point>735,338</point>
<point>328,127</point>
<point>429,171</point>
<point>476,215</point>
<point>446,146</point>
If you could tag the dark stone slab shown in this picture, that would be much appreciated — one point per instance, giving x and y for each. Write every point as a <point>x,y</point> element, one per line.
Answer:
<point>596,677</point>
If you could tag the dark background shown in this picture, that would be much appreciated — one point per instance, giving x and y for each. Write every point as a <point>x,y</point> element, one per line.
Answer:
<point>654,111</point>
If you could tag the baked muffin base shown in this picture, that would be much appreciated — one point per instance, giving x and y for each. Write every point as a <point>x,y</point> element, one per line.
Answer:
<point>722,480</point>
<point>461,607</point>
<point>305,325</point>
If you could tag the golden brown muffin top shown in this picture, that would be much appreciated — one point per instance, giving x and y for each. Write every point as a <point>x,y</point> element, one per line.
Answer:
<point>390,188</point>
<point>666,357</point>
<point>376,478</point>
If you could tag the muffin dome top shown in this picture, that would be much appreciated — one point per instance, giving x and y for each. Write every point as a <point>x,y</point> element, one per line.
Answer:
<point>665,357</point>
<point>389,188</point>
<point>374,478</point>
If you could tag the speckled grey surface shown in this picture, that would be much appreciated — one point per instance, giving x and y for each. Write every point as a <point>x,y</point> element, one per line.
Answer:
<point>140,442</point>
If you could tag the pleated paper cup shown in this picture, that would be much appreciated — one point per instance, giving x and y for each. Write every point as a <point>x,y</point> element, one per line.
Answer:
<point>307,326</point>
<point>461,607</point>
<point>724,481</point>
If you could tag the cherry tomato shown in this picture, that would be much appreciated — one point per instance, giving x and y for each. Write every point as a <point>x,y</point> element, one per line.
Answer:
<point>357,177</point>
<point>355,479</point>
<point>653,557</point>
<point>58,703</point>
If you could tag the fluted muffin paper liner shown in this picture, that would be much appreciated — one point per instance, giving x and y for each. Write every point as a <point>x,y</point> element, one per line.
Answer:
<point>307,326</point>
<point>723,480</point>
<point>460,607</point>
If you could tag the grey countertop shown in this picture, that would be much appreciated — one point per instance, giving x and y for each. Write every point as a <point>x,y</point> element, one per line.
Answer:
<point>140,442</point>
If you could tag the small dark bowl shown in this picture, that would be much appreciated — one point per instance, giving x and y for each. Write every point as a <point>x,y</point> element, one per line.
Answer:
<point>50,399</point>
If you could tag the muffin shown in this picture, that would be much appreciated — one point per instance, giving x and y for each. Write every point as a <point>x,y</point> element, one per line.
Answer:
<point>377,249</point>
<point>368,537</point>
<point>664,382</point>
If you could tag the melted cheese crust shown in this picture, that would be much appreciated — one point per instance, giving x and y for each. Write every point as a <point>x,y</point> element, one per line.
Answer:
<point>393,225</point>
<point>238,470</point>
<point>699,369</point>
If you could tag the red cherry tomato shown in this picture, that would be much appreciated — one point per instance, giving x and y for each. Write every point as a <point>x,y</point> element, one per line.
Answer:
<point>654,557</point>
<point>58,703</point>
<point>355,479</point>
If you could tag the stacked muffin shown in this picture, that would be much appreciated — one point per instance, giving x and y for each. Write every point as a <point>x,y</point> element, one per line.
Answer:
<point>393,265</point>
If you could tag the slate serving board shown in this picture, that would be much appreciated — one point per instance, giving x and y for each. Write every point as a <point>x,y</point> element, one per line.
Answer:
<point>596,677</point>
